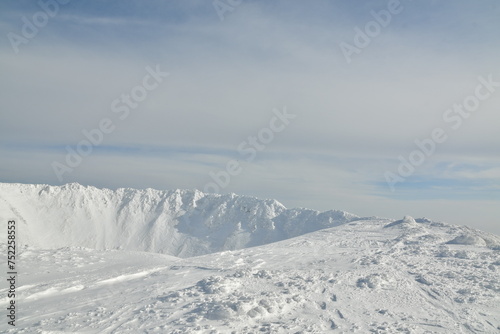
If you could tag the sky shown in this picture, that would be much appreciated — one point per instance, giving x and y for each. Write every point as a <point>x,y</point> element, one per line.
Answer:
<point>379,108</point>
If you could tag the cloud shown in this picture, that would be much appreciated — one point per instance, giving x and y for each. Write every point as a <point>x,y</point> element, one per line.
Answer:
<point>353,120</point>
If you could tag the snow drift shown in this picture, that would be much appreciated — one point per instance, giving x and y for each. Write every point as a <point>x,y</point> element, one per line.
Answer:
<point>369,276</point>
<point>351,275</point>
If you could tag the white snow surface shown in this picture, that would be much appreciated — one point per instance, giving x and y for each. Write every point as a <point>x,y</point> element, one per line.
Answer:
<point>182,223</point>
<point>89,261</point>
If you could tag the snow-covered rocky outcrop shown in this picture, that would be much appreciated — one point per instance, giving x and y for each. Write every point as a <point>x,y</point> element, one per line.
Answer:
<point>179,222</point>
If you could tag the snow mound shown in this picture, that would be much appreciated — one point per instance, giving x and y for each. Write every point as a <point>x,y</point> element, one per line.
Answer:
<point>406,222</point>
<point>472,237</point>
<point>182,223</point>
<point>468,239</point>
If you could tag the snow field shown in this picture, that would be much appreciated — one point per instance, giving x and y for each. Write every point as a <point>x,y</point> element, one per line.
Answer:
<point>343,274</point>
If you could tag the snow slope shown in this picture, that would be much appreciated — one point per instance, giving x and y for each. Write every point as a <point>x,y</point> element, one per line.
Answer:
<point>362,277</point>
<point>357,276</point>
<point>181,222</point>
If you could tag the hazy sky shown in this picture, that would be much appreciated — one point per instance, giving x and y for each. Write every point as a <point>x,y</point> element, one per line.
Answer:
<point>360,81</point>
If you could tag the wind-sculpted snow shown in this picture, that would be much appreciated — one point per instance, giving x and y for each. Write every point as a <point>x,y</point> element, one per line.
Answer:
<point>351,275</point>
<point>180,222</point>
<point>371,276</point>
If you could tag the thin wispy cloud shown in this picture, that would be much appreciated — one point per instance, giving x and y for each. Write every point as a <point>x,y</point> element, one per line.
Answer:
<point>353,120</point>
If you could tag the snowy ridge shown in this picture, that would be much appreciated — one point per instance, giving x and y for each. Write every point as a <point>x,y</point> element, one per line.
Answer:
<point>182,223</point>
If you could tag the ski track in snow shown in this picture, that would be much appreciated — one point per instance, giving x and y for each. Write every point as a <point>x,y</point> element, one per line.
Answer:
<point>359,276</point>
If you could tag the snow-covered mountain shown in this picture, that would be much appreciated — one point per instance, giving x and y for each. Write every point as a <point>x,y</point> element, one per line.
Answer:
<point>180,222</point>
<point>350,275</point>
